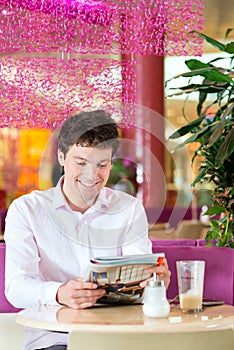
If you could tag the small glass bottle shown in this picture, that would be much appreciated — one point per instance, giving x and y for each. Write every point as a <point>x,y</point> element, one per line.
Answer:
<point>155,303</point>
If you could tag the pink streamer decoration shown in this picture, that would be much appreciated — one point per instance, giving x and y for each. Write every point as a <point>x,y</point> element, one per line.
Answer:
<point>42,92</point>
<point>102,27</point>
<point>46,73</point>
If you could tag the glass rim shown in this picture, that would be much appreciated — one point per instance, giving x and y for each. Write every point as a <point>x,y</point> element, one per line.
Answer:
<point>190,261</point>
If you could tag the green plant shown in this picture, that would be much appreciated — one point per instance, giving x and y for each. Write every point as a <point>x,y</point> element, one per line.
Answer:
<point>213,129</point>
<point>123,169</point>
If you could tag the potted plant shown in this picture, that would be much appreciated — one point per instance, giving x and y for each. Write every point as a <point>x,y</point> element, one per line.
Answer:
<point>123,176</point>
<point>213,130</point>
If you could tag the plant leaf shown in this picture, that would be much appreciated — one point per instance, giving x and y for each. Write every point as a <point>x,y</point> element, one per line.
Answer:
<point>202,98</point>
<point>197,136</point>
<point>208,71</point>
<point>217,209</point>
<point>217,44</point>
<point>187,128</point>
<point>200,176</point>
<point>217,132</point>
<point>198,66</point>
<point>194,72</point>
<point>230,47</point>
<point>209,89</point>
<point>216,75</point>
<point>228,31</point>
<point>226,148</point>
<point>228,110</point>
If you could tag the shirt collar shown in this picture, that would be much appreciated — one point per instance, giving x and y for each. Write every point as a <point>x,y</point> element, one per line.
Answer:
<point>104,199</point>
<point>59,199</point>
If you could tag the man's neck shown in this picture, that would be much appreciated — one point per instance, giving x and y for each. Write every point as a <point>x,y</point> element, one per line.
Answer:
<point>81,207</point>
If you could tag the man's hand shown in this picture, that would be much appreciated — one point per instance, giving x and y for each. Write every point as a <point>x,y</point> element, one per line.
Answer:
<point>162,272</point>
<point>79,294</point>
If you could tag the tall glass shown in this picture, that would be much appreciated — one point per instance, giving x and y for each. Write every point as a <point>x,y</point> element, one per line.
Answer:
<point>190,274</point>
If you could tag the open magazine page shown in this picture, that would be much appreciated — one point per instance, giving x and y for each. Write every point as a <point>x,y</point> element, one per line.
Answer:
<point>121,276</point>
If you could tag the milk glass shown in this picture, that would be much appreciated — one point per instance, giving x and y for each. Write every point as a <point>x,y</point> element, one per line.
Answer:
<point>190,274</point>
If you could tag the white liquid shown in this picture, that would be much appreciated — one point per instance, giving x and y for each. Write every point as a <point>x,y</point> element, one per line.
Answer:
<point>189,302</point>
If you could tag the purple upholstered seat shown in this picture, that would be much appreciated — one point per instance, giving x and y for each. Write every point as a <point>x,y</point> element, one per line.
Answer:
<point>202,242</point>
<point>219,269</point>
<point>173,242</point>
<point>5,306</point>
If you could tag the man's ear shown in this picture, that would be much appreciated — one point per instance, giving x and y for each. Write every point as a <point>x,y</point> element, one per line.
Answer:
<point>61,157</point>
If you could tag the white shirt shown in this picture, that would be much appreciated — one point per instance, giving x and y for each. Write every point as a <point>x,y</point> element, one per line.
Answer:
<point>47,243</point>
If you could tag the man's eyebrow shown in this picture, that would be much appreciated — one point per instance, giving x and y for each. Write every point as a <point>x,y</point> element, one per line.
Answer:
<point>81,158</point>
<point>104,160</point>
<point>86,160</point>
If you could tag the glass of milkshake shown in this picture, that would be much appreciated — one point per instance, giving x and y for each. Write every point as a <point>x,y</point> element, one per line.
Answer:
<point>190,274</point>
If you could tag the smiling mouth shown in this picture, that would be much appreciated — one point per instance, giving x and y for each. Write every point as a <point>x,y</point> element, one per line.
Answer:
<point>88,184</point>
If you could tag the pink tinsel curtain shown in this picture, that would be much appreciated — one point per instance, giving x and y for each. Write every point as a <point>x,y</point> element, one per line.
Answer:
<point>60,56</point>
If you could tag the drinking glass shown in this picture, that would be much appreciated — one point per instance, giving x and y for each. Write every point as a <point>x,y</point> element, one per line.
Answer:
<point>190,274</point>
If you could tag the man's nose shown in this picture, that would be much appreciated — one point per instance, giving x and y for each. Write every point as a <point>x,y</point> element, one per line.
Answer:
<point>91,171</point>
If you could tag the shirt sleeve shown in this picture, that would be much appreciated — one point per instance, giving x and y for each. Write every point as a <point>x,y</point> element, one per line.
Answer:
<point>137,240</point>
<point>23,286</point>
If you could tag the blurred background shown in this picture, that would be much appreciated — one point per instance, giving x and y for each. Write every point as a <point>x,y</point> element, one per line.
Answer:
<point>28,155</point>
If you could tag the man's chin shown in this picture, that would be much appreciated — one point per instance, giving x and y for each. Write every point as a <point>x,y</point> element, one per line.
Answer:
<point>89,198</point>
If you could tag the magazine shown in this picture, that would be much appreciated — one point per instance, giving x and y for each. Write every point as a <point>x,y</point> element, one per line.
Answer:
<point>121,276</point>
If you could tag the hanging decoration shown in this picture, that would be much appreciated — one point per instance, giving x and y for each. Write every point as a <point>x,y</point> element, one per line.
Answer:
<point>60,56</point>
<point>42,92</point>
<point>159,27</point>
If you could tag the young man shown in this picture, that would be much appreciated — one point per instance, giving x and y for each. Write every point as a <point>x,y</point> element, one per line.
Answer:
<point>51,235</point>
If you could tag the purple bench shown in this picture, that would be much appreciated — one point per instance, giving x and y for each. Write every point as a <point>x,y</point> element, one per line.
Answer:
<point>219,269</point>
<point>173,242</point>
<point>171,215</point>
<point>5,306</point>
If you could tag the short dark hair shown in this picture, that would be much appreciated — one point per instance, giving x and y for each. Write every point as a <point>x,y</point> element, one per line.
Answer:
<point>89,129</point>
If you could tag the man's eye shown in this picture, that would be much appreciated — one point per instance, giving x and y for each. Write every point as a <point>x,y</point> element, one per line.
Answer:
<point>81,163</point>
<point>102,166</point>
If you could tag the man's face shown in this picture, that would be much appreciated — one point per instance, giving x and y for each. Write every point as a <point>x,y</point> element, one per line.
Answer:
<point>87,170</point>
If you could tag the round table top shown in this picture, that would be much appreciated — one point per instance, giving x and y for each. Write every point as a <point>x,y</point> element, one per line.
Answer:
<point>125,318</point>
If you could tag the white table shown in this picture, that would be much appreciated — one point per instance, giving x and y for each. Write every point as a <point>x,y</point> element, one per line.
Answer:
<point>125,319</point>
